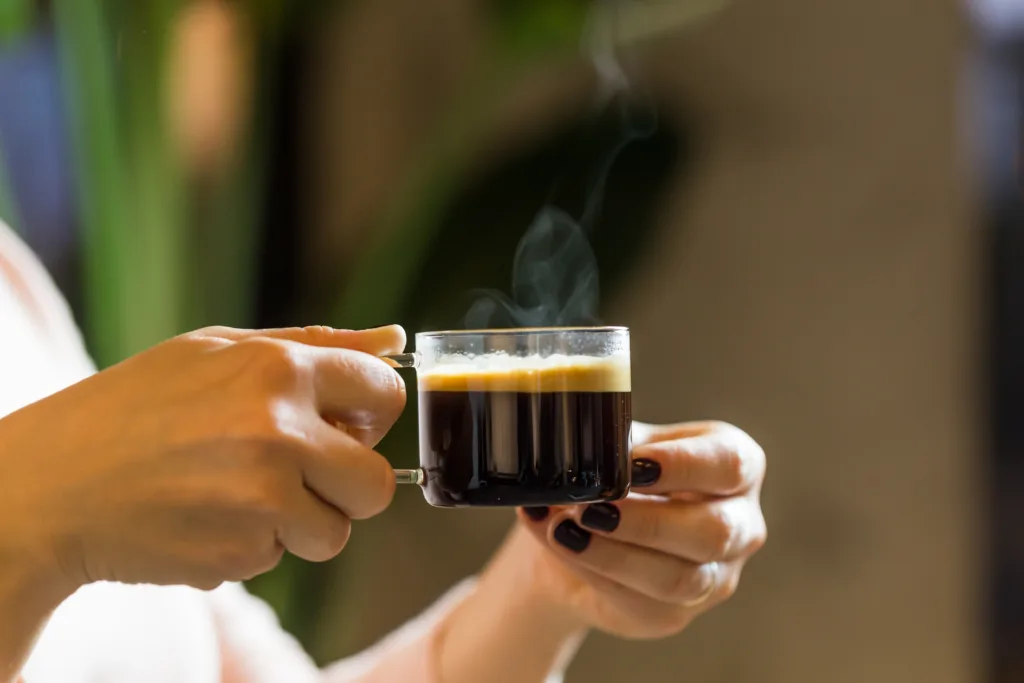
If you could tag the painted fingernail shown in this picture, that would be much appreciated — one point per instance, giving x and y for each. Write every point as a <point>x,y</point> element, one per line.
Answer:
<point>537,514</point>
<point>572,536</point>
<point>646,472</point>
<point>601,516</point>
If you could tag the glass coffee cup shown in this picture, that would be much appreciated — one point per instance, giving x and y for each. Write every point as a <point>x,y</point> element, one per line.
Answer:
<point>522,417</point>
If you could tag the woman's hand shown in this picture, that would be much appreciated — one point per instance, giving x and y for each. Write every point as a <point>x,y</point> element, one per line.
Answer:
<point>645,566</point>
<point>203,459</point>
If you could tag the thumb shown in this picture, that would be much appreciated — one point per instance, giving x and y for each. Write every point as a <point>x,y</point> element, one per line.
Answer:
<point>378,341</point>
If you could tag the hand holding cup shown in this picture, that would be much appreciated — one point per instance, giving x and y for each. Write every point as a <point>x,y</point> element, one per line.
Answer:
<point>203,459</point>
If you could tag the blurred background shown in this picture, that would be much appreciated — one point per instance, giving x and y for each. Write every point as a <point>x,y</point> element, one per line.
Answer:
<point>821,240</point>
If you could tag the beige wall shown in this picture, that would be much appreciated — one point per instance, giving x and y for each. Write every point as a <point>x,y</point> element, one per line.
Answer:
<point>816,284</point>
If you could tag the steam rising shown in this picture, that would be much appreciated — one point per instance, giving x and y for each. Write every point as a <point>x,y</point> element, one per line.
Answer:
<point>554,279</point>
<point>555,275</point>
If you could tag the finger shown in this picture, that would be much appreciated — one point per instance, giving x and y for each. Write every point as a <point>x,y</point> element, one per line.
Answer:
<point>712,531</point>
<point>348,474</point>
<point>312,529</point>
<point>643,433</point>
<point>648,572</point>
<point>358,391</point>
<point>656,614</point>
<point>638,616</point>
<point>539,513</point>
<point>378,341</point>
<point>722,462</point>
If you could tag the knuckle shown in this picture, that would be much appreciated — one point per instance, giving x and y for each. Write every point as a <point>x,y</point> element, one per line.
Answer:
<point>248,558</point>
<point>390,386</point>
<point>396,389</point>
<point>752,456</point>
<point>720,427</point>
<point>732,584</point>
<point>269,558</point>
<point>756,459</point>
<point>272,496</point>
<point>735,469</point>
<point>275,364</point>
<point>382,388</point>
<point>277,430</point>
<point>679,456</point>
<point>719,533</point>
<point>727,586</point>
<point>264,491</point>
<point>212,331</point>
<point>314,335</point>
<point>234,560</point>
<point>336,537</point>
<point>682,585</point>
<point>318,331</point>
<point>388,487</point>
<point>759,459</point>
<point>760,535</point>
<point>206,339</point>
<point>376,479</point>
<point>380,495</point>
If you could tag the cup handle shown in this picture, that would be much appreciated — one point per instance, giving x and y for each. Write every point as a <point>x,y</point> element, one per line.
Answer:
<point>402,360</point>
<point>416,476</point>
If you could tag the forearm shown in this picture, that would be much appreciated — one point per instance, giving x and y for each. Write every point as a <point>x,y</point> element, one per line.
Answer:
<point>504,632</point>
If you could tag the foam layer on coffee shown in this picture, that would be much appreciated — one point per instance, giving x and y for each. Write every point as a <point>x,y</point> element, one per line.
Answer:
<point>529,374</point>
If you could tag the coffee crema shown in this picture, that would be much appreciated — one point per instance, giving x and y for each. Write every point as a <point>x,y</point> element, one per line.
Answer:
<point>503,431</point>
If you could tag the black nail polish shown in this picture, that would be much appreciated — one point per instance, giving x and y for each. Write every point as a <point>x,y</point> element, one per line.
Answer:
<point>646,472</point>
<point>601,516</point>
<point>537,514</point>
<point>572,536</point>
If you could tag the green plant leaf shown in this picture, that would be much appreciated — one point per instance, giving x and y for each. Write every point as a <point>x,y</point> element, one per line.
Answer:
<point>539,27</point>
<point>129,185</point>
<point>157,200</point>
<point>84,41</point>
<point>16,18</point>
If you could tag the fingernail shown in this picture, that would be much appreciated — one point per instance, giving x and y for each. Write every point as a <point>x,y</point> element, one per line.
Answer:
<point>572,536</point>
<point>537,514</point>
<point>646,472</point>
<point>601,516</point>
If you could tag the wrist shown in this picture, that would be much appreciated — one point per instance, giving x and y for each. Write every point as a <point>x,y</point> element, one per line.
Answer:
<point>520,573</point>
<point>509,628</point>
<point>31,581</point>
<point>31,584</point>
<point>33,558</point>
<point>28,596</point>
<point>34,519</point>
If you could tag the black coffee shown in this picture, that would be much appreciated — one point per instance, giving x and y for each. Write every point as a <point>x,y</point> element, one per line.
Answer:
<point>554,436</point>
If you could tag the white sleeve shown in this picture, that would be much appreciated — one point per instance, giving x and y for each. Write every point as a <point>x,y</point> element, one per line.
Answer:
<point>47,310</point>
<point>253,646</point>
<point>255,649</point>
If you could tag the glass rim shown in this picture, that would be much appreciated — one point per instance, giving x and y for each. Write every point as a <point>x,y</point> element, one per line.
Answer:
<point>516,331</point>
